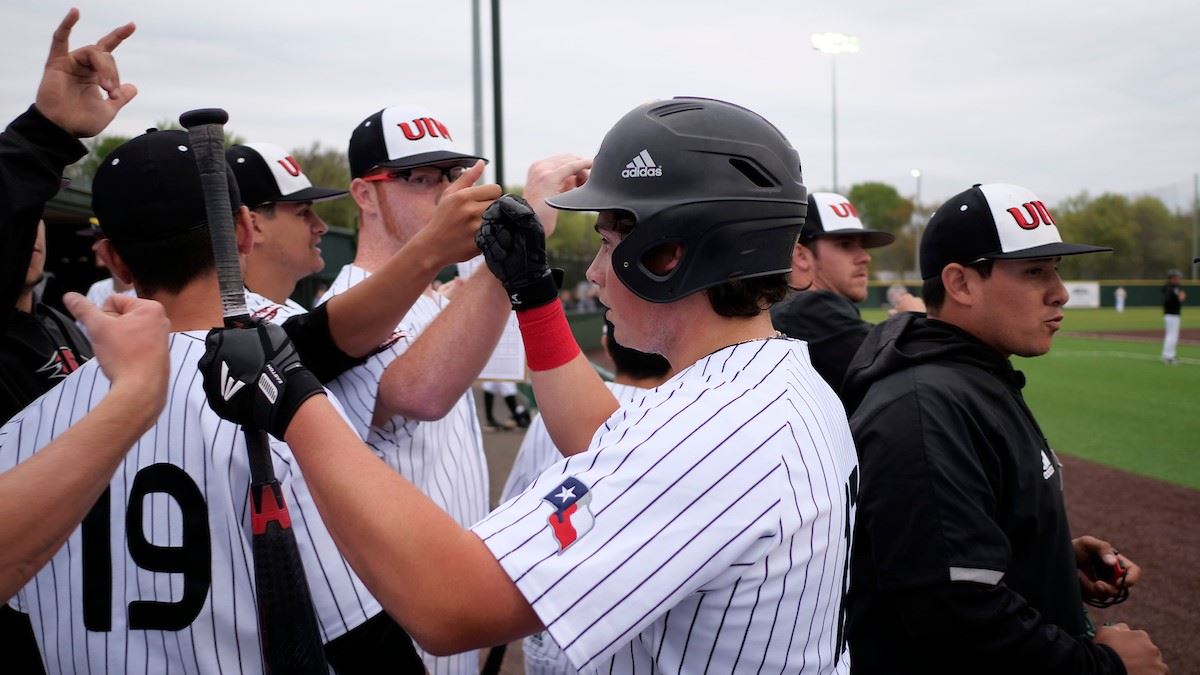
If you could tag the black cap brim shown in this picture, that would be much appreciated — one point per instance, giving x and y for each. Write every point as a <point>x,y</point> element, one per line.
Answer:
<point>870,238</point>
<point>427,158</point>
<point>1054,250</point>
<point>313,194</point>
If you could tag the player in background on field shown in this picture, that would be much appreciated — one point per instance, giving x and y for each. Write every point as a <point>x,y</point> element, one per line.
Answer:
<point>1173,299</point>
<point>411,400</point>
<point>634,372</point>
<point>832,252</point>
<point>706,527</point>
<point>286,229</point>
<point>963,558</point>
<point>518,413</point>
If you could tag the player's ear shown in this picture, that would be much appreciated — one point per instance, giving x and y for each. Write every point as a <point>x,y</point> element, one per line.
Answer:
<point>112,260</point>
<point>365,196</point>
<point>256,227</point>
<point>959,285</point>
<point>801,276</point>
<point>663,258</point>
<point>245,230</point>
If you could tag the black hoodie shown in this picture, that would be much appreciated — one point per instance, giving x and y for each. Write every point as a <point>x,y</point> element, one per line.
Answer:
<point>962,557</point>
<point>831,325</point>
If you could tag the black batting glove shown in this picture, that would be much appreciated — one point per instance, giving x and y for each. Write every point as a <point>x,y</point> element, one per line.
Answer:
<point>513,243</point>
<point>253,377</point>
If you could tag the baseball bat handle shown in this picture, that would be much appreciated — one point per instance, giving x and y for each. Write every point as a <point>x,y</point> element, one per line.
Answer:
<point>207,136</point>
<point>202,116</point>
<point>287,623</point>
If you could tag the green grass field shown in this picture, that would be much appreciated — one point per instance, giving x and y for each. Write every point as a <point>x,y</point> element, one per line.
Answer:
<point>1115,401</point>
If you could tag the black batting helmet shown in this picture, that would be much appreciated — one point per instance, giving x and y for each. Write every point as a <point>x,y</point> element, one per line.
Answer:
<point>710,175</point>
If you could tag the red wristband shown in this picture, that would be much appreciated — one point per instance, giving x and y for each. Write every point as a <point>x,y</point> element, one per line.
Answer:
<point>548,340</point>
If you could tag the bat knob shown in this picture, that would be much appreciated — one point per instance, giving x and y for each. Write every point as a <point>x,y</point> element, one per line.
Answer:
<point>202,116</point>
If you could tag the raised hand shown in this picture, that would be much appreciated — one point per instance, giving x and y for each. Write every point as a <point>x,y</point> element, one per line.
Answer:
<point>130,339</point>
<point>81,90</point>
<point>553,176</point>
<point>514,245</point>
<point>450,234</point>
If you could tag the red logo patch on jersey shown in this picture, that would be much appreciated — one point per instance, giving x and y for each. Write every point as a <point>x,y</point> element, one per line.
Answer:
<point>61,364</point>
<point>265,313</point>
<point>396,337</point>
<point>571,518</point>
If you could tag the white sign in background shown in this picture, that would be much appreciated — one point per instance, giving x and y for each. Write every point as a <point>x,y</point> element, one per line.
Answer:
<point>1083,293</point>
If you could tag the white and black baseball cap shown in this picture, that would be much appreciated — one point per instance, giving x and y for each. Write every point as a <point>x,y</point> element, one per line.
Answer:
<point>997,221</point>
<point>266,174</point>
<point>403,137</point>
<point>832,214</point>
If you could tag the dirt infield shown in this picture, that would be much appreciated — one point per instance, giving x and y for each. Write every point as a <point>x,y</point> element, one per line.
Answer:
<point>1156,525</point>
<point>1187,336</point>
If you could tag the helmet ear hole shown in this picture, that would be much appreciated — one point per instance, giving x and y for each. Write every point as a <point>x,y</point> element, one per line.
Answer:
<point>753,172</point>
<point>662,259</point>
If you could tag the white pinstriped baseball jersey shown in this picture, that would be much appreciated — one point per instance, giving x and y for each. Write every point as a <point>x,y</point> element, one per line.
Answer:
<point>538,452</point>
<point>444,458</point>
<point>542,654</point>
<point>262,307</point>
<point>705,529</point>
<point>159,577</point>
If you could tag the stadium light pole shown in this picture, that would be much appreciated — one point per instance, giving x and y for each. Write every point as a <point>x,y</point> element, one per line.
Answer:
<point>834,44</point>
<point>916,173</point>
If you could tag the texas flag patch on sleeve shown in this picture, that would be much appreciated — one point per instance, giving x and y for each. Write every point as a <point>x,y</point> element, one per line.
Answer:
<point>571,518</point>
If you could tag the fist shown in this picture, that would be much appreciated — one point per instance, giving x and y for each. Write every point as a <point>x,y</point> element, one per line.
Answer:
<point>253,377</point>
<point>514,245</point>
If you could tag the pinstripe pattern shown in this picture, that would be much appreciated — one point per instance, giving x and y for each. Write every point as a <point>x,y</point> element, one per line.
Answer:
<point>223,636</point>
<point>719,512</point>
<point>444,458</point>
<point>543,656</point>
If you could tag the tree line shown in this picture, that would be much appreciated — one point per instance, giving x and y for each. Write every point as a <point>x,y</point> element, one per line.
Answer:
<point>1147,237</point>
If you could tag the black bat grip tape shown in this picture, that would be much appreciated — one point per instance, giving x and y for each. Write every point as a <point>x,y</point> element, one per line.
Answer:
<point>195,118</point>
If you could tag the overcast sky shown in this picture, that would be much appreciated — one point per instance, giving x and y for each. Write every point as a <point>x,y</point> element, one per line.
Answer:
<point>1055,95</point>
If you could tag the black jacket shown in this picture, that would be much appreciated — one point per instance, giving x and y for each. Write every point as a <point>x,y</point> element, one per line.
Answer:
<point>829,323</point>
<point>33,153</point>
<point>962,558</point>
<point>38,349</point>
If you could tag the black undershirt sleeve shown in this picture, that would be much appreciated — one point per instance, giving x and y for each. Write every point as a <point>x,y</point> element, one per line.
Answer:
<point>310,334</point>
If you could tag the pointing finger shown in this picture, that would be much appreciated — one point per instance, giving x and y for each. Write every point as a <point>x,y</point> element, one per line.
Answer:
<point>83,310</point>
<point>467,179</point>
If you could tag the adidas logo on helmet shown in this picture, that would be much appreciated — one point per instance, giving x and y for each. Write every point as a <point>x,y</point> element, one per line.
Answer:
<point>642,166</point>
